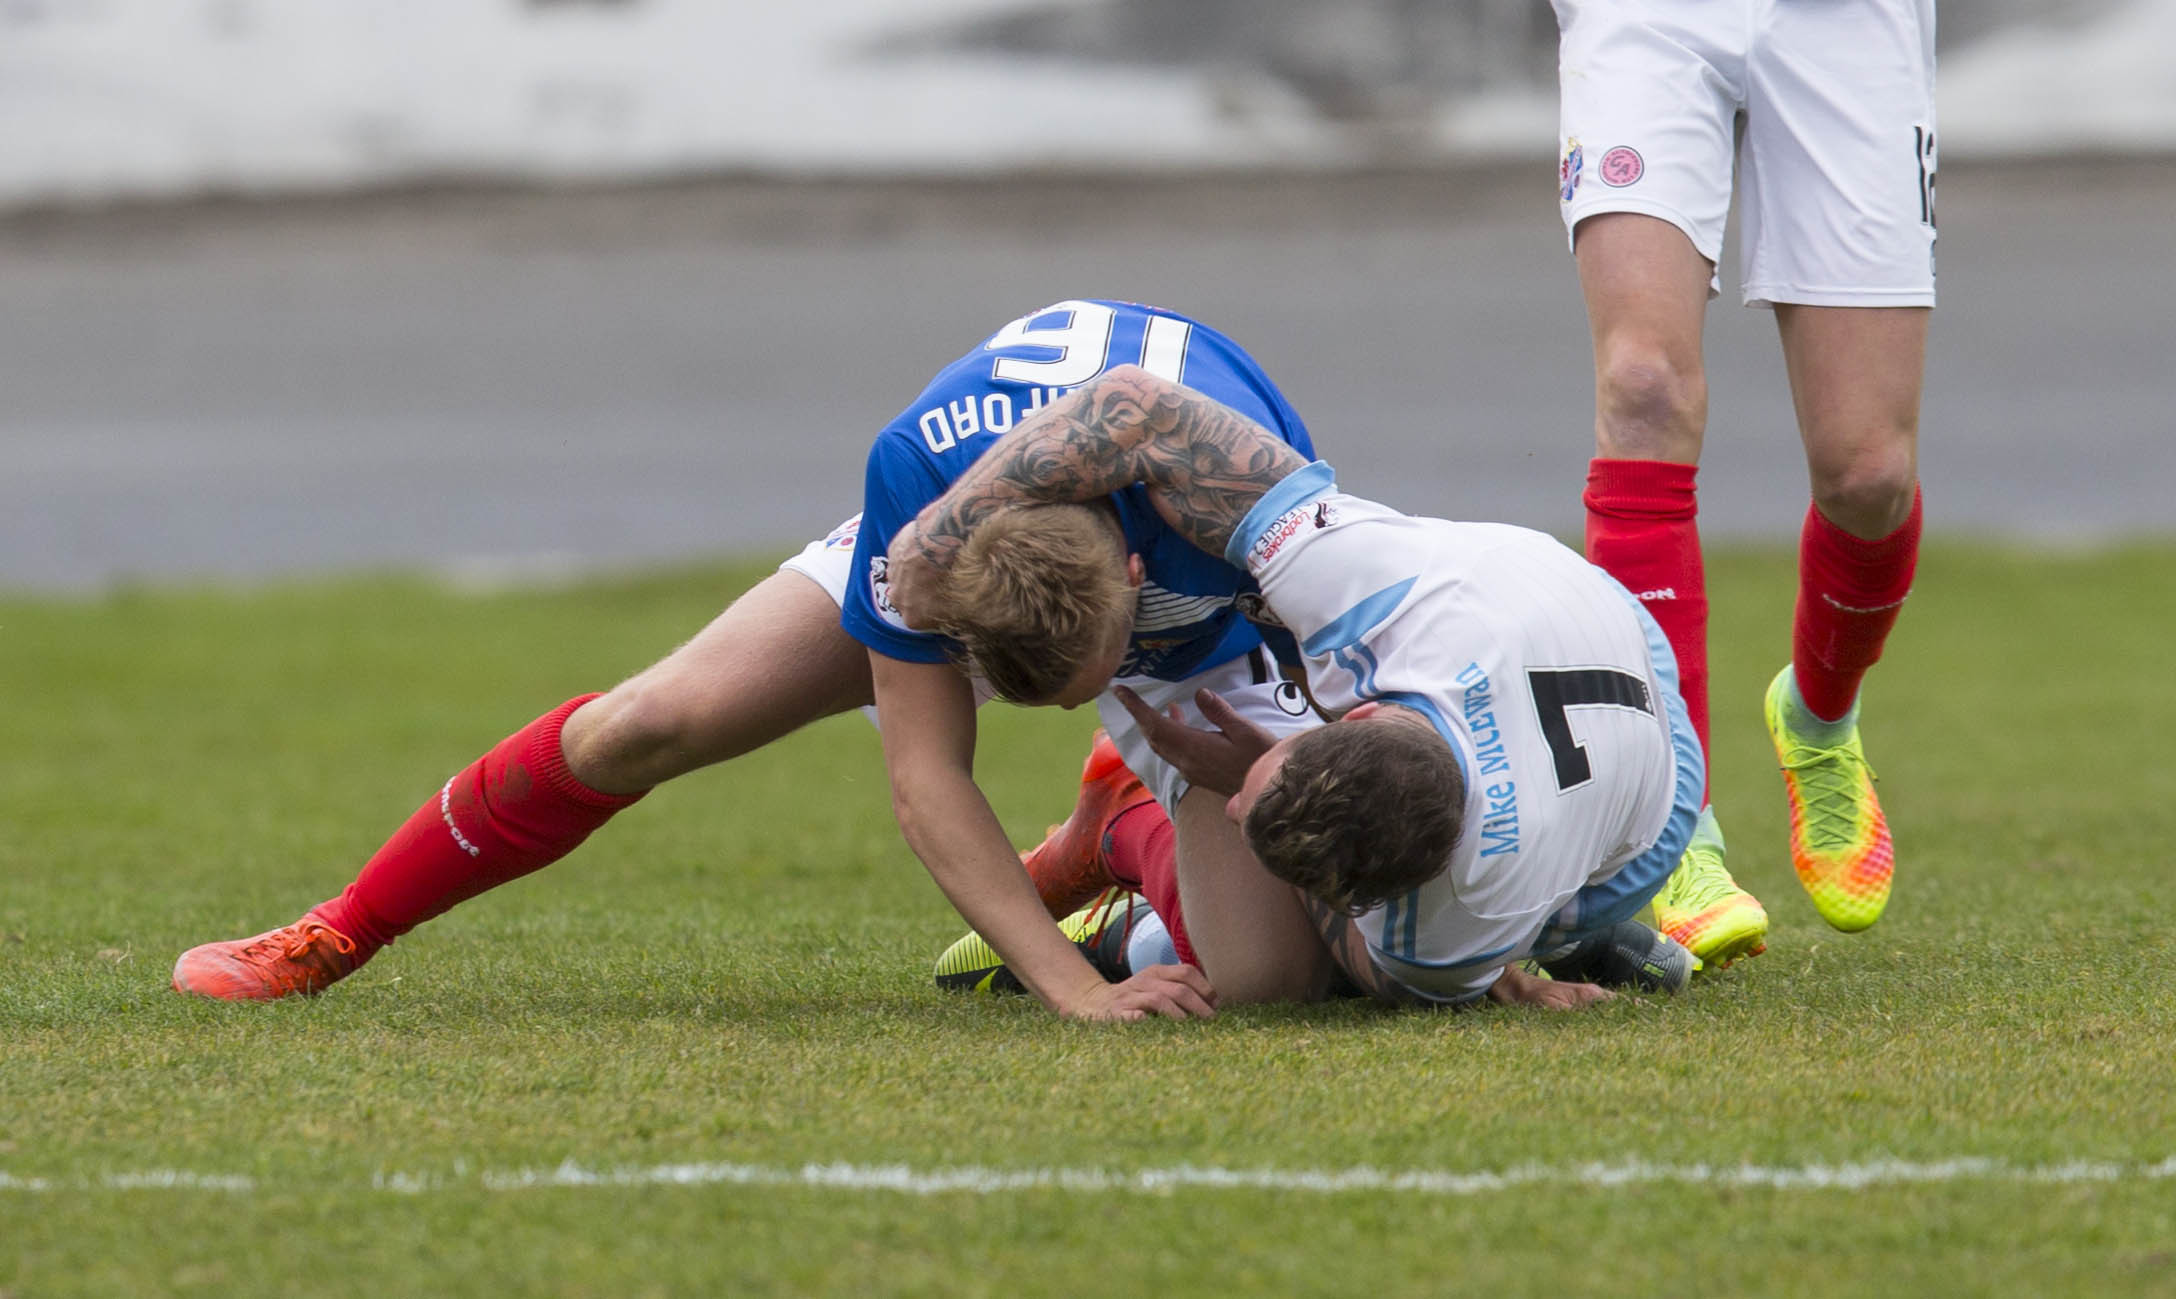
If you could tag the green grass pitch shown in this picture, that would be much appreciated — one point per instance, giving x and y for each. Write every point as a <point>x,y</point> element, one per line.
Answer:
<point>703,1055</point>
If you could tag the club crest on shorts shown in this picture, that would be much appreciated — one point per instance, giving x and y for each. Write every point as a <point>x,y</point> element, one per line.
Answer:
<point>1568,169</point>
<point>1621,166</point>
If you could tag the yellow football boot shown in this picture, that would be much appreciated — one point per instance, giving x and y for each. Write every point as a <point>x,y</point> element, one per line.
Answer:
<point>1704,909</point>
<point>1840,843</point>
<point>1099,930</point>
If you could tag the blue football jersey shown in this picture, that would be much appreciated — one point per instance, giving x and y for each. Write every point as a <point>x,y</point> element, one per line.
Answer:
<point>1187,619</point>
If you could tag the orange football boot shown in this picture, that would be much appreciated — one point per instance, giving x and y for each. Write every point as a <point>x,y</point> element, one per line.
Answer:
<point>301,959</point>
<point>1068,866</point>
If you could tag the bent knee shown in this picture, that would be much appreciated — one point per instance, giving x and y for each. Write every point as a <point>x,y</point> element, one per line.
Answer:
<point>638,735</point>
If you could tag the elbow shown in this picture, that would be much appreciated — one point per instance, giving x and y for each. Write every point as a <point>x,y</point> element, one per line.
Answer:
<point>917,805</point>
<point>909,809</point>
<point>1143,386</point>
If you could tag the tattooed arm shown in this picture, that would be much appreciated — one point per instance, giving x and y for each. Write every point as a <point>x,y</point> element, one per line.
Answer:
<point>1204,463</point>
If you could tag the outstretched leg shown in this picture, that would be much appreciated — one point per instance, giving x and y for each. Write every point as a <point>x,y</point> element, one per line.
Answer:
<point>772,662</point>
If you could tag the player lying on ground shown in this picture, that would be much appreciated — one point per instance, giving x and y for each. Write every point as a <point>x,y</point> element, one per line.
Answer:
<point>1510,768</point>
<point>1111,871</point>
<point>818,638</point>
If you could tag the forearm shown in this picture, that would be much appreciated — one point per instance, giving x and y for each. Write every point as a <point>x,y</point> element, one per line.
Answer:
<point>950,827</point>
<point>1207,463</point>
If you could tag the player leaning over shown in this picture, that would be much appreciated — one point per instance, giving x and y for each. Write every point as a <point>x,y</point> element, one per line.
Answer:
<point>1828,111</point>
<point>785,654</point>
<point>1160,610</point>
<point>1511,769</point>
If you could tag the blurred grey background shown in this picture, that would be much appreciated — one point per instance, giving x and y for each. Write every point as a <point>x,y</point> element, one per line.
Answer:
<point>509,290</point>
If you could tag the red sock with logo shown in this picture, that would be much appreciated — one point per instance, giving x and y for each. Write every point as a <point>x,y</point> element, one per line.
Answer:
<point>1850,591</point>
<point>1643,529</point>
<point>1142,851</point>
<point>512,811</point>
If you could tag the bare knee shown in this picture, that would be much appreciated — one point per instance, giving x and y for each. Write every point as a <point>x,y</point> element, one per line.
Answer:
<point>1868,494</point>
<point>774,661</point>
<point>1648,404</point>
<point>632,738</point>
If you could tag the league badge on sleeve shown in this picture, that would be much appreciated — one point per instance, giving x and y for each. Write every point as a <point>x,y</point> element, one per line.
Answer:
<point>880,592</point>
<point>1568,169</point>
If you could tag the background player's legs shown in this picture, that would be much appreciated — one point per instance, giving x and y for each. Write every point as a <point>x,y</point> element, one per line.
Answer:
<point>1646,286</point>
<point>1252,936</point>
<point>1646,289</point>
<point>773,661</point>
<point>1855,376</point>
<point>1855,379</point>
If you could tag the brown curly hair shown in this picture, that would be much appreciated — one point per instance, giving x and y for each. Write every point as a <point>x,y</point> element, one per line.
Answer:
<point>1360,812</point>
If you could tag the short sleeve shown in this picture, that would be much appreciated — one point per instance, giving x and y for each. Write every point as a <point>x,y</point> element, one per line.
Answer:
<point>898,484</point>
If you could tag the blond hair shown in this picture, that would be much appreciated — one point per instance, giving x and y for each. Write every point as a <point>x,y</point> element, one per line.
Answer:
<point>1032,593</point>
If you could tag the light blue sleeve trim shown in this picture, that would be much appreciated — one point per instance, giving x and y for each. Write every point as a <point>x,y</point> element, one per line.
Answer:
<point>1296,489</point>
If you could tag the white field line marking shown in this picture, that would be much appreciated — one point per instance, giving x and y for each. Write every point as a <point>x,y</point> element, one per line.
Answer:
<point>973,1180</point>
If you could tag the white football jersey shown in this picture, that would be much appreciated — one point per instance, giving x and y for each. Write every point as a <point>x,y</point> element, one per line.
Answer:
<point>1533,664</point>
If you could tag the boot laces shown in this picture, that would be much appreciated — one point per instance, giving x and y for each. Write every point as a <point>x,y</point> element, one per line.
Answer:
<point>1107,909</point>
<point>1829,784</point>
<point>298,941</point>
<point>1701,881</point>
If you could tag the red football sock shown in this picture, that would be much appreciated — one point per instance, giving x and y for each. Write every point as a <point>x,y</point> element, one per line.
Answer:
<point>1643,529</point>
<point>1142,851</point>
<point>1850,591</point>
<point>513,811</point>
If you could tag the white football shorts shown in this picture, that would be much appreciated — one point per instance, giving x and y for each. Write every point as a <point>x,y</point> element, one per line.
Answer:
<point>829,560</point>
<point>1826,108</point>
<point>1251,683</point>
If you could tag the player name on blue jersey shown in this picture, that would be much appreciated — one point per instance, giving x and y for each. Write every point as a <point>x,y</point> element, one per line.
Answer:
<point>946,425</point>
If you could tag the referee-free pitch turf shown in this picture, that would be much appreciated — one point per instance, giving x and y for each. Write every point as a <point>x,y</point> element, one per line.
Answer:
<point>703,1055</point>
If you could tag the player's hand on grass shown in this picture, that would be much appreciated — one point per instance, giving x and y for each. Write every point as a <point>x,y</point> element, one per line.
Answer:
<point>1173,991</point>
<point>1215,760</point>
<point>1515,987</point>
